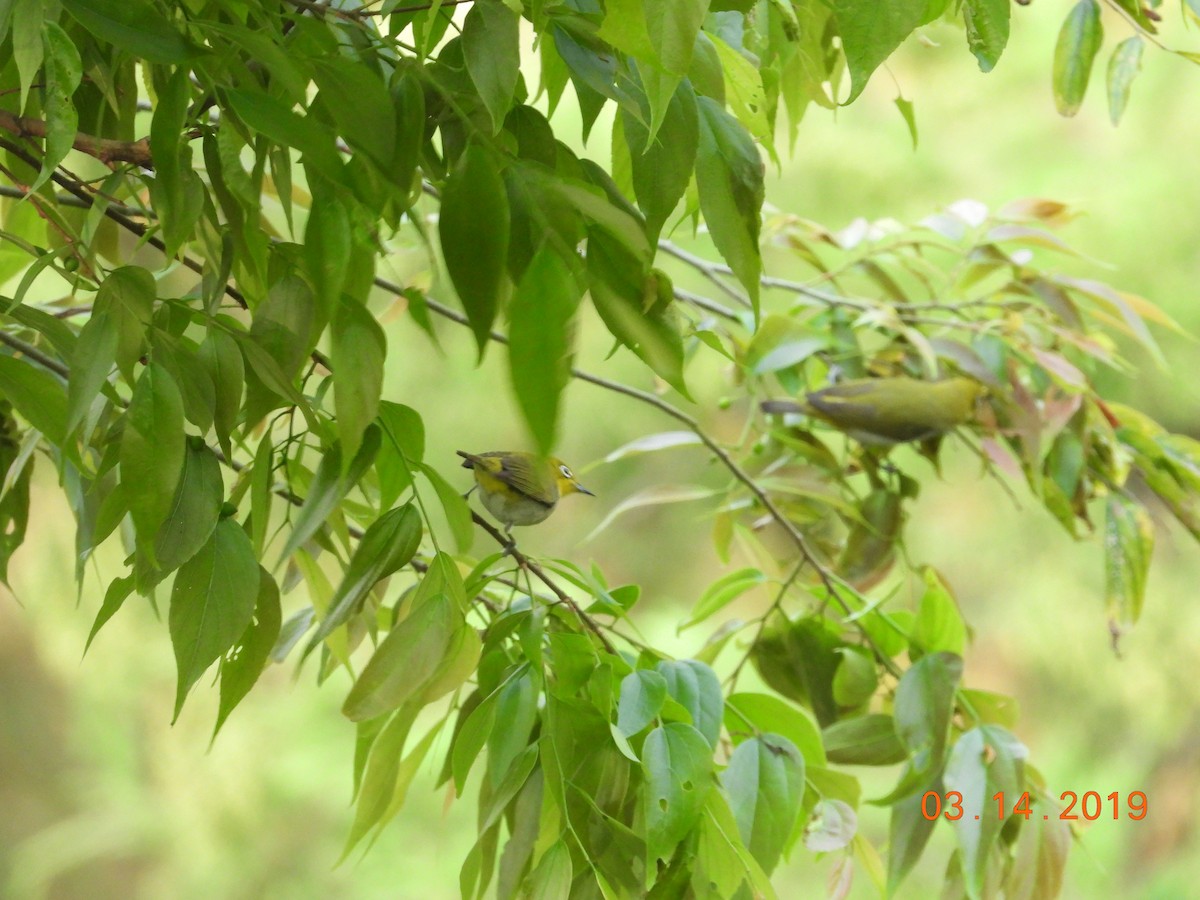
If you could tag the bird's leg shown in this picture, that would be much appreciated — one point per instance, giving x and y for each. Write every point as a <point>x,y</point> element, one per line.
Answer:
<point>510,543</point>
<point>471,491</point>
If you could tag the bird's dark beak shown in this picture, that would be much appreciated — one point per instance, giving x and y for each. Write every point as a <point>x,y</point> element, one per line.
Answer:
<point>579,487</point>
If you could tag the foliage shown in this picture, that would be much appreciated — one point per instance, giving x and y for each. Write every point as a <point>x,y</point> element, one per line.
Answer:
<point>194,344</point>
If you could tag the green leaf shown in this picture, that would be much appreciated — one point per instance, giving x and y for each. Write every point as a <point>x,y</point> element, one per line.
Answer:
<point>389,543</point>
<point>722,592</point>
<point>765,785</point>
<point>939,625</point>
<point>985,761</point>
<point>212,603</point>
<point>275,119</point>
<point>1078,43</point>
<point>909,832</point>
<point>405,660</point>
<point>516,716</point>
<point>458,513</point>
<point>327,251</point>
<point>987,30</point>
<point>1128,547</point>
<point>869,740</point>
<point>37,395</point>
<point>539,351</point>
<point>194,510</point>
<point>379,778</point>
<point>870,31</point>
<point>1123,66</point>
<point>677,764</point>
<point>28,46</point>
<point>695,687</point>
<point>127,296</point>
<point>95,355</point>
<point>722,860</point>
<point>493,55</point>
<point>63,71</point>
<point>114,598</point>
<point>624,27</point>
<point>359,102</point>
<point>401,450</point>
<point>358,349</point>
<point>745,93</point>
<point>252,651</point>
<point>908,113</point>
<point>471,737</point>
<point>329,485</point>
<point>747,712</point>
<point>663,166</point>
<point>176,192</point>
<point>642,695</point>
<point>476,258</point>
<point>551,878</point>
<point>221,358</point>
<point>152,453</point>
<point>855,679</point>
<point>729,176</point>
<point>135,26</point>
<point>923,706</point>
<point>672,28</point>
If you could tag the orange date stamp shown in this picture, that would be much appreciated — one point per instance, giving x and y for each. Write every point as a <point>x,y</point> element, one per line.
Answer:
<point>1090,807</point>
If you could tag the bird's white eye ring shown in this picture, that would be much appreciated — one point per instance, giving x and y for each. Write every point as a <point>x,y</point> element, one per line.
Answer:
<point>566,472</point>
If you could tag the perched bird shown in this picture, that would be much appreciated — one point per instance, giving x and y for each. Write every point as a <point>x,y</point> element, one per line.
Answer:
<point>886,411</point>
<point>520,488</point>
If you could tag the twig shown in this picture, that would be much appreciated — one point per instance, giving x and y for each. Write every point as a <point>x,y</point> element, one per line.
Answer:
<point>35,354</point>
<point>106,150</point>
<point>526,563</point>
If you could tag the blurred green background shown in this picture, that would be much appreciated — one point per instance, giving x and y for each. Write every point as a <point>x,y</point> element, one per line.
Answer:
<point>101,798</point>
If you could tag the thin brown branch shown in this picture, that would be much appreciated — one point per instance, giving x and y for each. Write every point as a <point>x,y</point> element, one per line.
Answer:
<point>106,150</point>
<point>526,563</point>
<point>35,354</point>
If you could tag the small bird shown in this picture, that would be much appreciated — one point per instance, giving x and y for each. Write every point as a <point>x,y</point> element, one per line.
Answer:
<point>520,488</point>
<point>886,411</point>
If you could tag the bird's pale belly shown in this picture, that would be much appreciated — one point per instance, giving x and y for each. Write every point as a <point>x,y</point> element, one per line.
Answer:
<point>515,510</point>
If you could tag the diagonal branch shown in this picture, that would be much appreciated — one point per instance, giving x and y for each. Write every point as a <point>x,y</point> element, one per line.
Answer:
<point>106,150</point>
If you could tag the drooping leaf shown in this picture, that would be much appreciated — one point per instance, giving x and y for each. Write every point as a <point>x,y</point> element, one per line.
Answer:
<point>37,395</point>
<point>869,740</point>
<point>1078,43</point>
<point>135,26</point>
<point>641,699</point>
<point>539,351</point>
<point>152,453</point>
<point>1128,546</point>
<point>987,30</point>
<point>870,31</point>
<point>252,651</point>
<point>195,508</point>
<point>729,175</point>
<point>358,349</point>
<point>984,762</point>
<point>405,660</point>
<point>695,686</point>
<point>476,258</point>
<point>765,785</point>
<point>677,764</point>
<point>492,54</point>
<point>388,544</point>
<point>212,603</point>
<point>63,71</point>
<point>1123,67</point>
